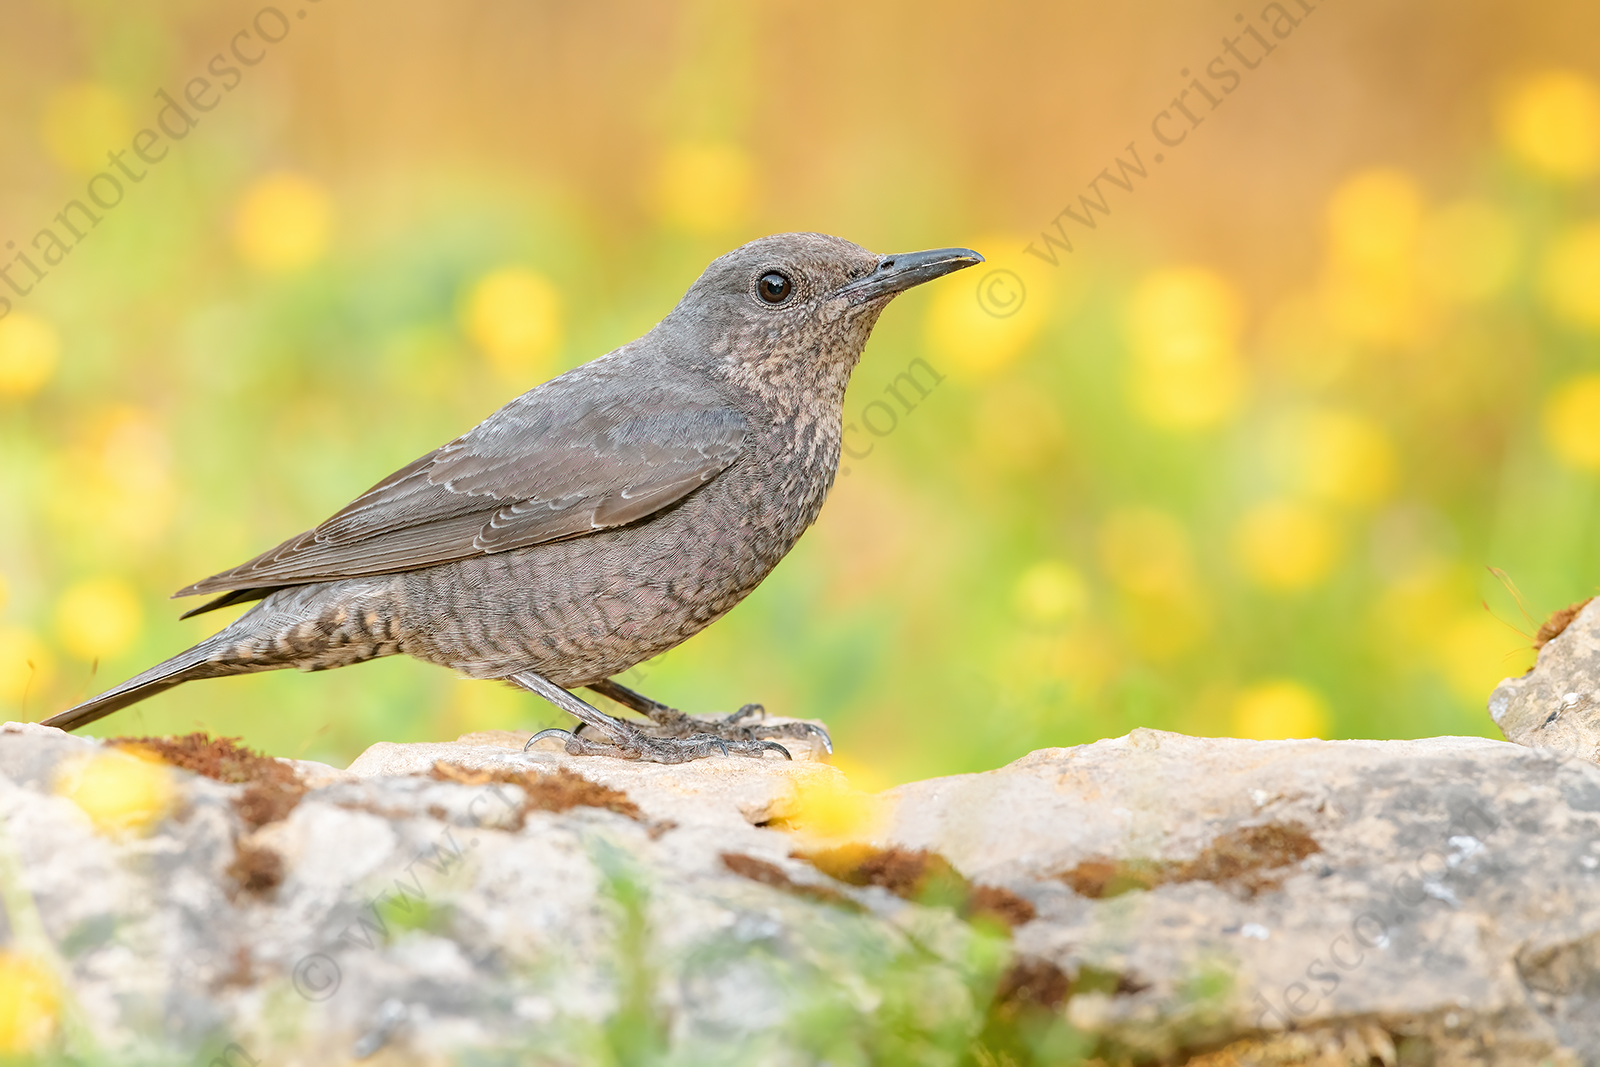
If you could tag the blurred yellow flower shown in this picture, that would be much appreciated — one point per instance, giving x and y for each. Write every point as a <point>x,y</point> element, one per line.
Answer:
<point>1160,627</point>
<point>120,790</point>
<point>1572,422</point>
<point>283,222</point>
<point>1407,618</point>
<point>1370,290</point>
<point>1050,591</point>
<point>1146,552</point>
<point>830,807</point>
<point>1374,219</point>
<point>30,1003</point>
<point>29,347</point>
<point>1280,708</point>
<point>26,665</point>
<point>1476,651</point>
<point>1468,250</point>
<point>989,314</point>
<point>1343,458</point>
<point>117,481</point>
<point>514,315</point>
<point>1551,122</point>
<point>1090,657</point>
<point>1372,311</point>
<point>1570,278</point>
<point>99,618</point>
<point>1286,545</point>
<point>1164,611</point>
<point>1183,328</point>
<point>862,777</point>
<point>704,188</point>
<point>82,123</point>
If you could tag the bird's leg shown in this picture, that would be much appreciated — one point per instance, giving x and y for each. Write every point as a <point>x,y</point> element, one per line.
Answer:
<point>625,740</point>
<point>670,722</point>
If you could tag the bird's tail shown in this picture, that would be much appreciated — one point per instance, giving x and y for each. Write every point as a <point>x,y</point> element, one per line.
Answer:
<point>201,661</point>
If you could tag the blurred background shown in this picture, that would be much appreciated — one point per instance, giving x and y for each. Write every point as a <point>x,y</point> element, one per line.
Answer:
<point>1239,463</point>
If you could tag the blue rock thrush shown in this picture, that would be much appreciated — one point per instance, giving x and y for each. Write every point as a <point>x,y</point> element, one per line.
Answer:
<point>593,522</point>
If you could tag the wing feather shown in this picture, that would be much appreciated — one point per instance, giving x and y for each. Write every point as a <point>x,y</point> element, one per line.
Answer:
<point>573,456</point>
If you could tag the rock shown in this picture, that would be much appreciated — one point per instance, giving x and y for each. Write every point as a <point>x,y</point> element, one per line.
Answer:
<point>1453,896</point>
<point>1154,898</point>
<point>1557,704</point>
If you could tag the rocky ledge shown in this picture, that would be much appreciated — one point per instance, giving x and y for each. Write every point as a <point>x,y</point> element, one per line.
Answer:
<point>1154,898</point>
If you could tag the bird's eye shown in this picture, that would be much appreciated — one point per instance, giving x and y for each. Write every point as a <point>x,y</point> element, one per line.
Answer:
<point>774,288</point>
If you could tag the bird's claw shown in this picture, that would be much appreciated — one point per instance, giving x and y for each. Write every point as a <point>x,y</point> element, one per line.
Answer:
<point>566,735</point>
<point>745,712</point>
<point>761,731</point>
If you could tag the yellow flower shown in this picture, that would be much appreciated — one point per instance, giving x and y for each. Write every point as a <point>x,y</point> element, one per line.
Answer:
<point>1468,250</point>
<point>1374,219</point>
<point>1476,651</point>
<point>1344,458</point>
<point>514,315</point>
<point>283,222</point>
<point>1570,280</point>
<point>1551,122</point>
<point>989,314</point>
<point>1279,709</point>
<point>1285,545</point>
<point>30,1004</point>
<point>29,347</point>
<point>26,666</point>
<point>1183,329</point>
<point>1416,607</point>
<point>828,806</point>
<point>1370,291</point>
<point>1146,553</point>
<point>1572,422</point>
<point>120,790</point>
<point>117,481</point>
<point>82,123</point>
<point>1050,592</point>
<point>862,778</point>
<point>99,618</point>
<point>704,188</point>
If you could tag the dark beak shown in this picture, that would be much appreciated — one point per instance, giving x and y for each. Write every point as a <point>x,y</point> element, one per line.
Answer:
<point>896,274</point>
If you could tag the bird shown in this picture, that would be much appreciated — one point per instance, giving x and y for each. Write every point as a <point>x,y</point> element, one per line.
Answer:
<point>597,520</point>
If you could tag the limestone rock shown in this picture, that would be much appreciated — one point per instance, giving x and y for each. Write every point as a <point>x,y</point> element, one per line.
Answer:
<point>1171,899</point>
<point>1454,896</point>
<point>1557,704</point>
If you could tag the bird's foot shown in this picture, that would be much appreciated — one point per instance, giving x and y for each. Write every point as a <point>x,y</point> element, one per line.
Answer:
<point>670,722</point>
<point>676,742</point>
<point>637,743</point>
<point>670,736</point>
<point>735,727</point>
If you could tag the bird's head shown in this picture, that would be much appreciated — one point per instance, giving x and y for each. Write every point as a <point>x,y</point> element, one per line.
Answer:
<point>793,311</point>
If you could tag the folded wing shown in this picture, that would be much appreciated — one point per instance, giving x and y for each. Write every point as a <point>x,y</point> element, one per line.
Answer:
<point>557,462</point>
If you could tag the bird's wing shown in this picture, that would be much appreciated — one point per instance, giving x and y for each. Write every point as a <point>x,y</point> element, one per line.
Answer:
<point>550,465</point>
